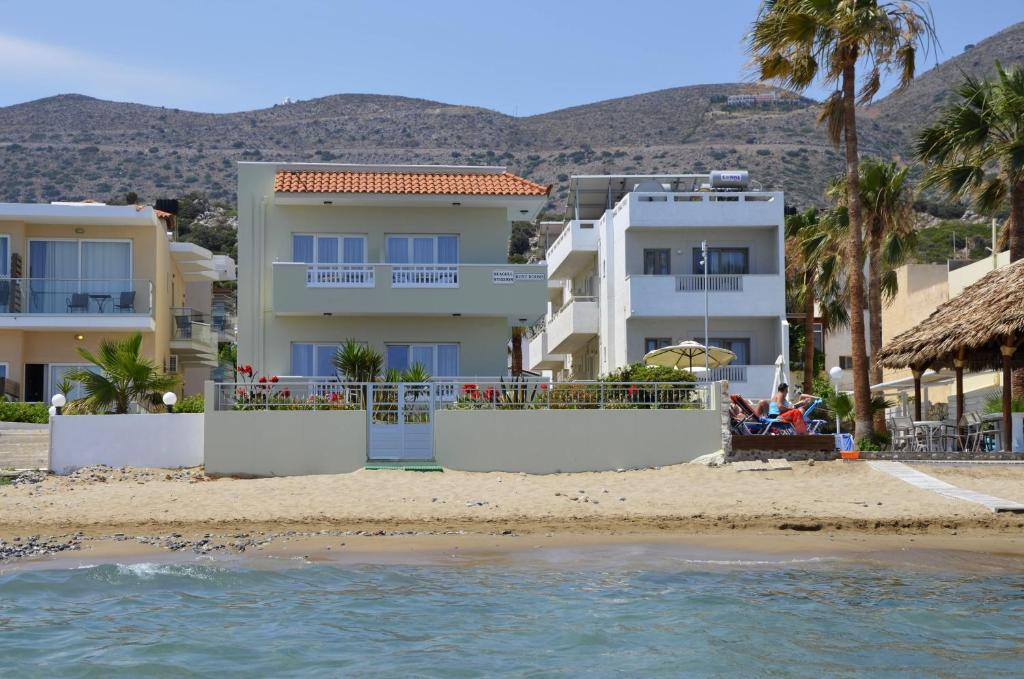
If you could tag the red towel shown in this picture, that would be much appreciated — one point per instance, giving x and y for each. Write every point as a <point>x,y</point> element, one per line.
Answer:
<point>796,418</point>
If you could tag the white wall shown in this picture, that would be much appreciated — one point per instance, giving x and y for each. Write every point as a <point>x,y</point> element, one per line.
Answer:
<point>150,440</point>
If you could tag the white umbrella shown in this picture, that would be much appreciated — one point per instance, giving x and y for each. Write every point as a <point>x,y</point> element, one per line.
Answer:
<point>684,354</point>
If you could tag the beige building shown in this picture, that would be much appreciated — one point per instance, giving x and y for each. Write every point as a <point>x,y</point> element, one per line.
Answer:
<point>72,274</point>
<point>411,260</point>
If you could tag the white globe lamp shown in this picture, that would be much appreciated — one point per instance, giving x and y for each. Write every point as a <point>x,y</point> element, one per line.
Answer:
<point>58,402</point>
<point>170,398</point>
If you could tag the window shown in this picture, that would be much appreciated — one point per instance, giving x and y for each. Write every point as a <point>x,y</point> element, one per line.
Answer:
<point>657,261</point>
<point>56,373</point>
<point>313,360</point>
<point>652,343</point>
<point>5,256</point>
<point>101,269</point>
<point>738,346</point>
<point>819,338</point>
<point>846,362</point>
<point>723,261</point>
<point>440,360</point>
<point>328,249</point>
<point>3,370</point>
<point>422,250</point>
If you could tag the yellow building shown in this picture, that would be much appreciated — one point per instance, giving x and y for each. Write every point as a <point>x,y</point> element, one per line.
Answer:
<point>72,274</point>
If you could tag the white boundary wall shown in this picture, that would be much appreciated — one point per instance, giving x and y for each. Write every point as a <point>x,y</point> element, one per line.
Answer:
<point>150,440</point>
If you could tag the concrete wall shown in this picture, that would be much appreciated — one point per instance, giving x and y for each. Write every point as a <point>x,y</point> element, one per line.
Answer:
<point>551,441</point>
<point>116,440</point>
<point>285,443</point>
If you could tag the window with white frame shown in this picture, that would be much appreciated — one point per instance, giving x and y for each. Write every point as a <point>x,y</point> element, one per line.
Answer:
<point>422,250</point>
<point>72,274</point>
<point>328,249</point>
<point>57,373</point>
<point>312,359</point>
<point>440,360</point>
<point>652,343</point>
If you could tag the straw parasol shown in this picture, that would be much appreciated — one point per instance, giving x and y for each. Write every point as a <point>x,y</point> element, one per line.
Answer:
<point>685,353</point>
<point>979,329</point>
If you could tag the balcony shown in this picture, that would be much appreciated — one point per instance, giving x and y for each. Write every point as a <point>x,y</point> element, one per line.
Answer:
<point>193,339</point>
<point>728,295</point>
<point>539,356</point>
<point>573,250</point>
<point>700,209</point>
<point>76,304</point>
<point>573,325</point>
<point>751,381</point>
<point>513,291</point>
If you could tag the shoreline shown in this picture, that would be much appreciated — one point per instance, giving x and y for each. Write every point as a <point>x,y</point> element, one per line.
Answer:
<point>973,550</point>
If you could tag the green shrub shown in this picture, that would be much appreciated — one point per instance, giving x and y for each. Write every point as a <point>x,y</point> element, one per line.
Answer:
<point>638,372</point>
<point>11,411</point>
<point>190,404</point>
<point>874,443</point>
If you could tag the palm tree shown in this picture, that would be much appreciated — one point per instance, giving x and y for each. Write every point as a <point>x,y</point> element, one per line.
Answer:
<point>517,350</point>
<point>795,43</point>
<point>983,131</point>
<point>816,281</point>
<point>358,362</point>
<point>886,200</point>
<point>126,377</point>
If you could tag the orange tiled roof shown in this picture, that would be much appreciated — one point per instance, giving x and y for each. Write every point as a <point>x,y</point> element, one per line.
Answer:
<point>438,183</point>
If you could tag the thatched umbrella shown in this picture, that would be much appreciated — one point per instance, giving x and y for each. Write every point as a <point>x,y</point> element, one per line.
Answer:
<point>979,329</point>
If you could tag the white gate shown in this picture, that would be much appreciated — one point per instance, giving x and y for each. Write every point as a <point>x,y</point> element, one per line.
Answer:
<point>401,421</point>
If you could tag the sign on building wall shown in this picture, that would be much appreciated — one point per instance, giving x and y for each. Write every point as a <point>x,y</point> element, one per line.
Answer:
<point>508,276</point>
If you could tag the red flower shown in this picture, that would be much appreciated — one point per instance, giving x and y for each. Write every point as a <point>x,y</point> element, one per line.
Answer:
<point>247,369</point>
<point>468,388</point>
<point>489,393</point>
<point>240,369</point>
<point>286,393</point>
<point>263,380</point>
<point>240,391</point>
<point>543,387</point>
<point>474,394</point>
<point>273,379</point>
<point>632,390</point>
<point>335,396</point>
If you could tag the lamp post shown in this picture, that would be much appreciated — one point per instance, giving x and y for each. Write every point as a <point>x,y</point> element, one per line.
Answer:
<point>170,398</point>
<point>58,402</point>
<point>835,374</point>
<point>704,266</point>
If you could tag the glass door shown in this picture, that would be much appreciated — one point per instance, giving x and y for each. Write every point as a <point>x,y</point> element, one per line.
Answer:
<point>53,277</point>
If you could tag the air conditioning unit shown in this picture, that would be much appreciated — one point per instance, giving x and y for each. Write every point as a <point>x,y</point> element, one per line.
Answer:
<point>172,364</point>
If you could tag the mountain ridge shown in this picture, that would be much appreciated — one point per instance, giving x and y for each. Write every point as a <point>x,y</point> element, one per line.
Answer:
<point>73,146</point>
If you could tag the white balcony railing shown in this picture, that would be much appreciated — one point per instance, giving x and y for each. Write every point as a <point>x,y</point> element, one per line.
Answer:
<point>715,283</point>
<point>732,373</point>
<point>425,276</point>
<point>340,276</point>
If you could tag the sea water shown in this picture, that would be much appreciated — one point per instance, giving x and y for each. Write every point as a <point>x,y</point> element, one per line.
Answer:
<point>671,617</point>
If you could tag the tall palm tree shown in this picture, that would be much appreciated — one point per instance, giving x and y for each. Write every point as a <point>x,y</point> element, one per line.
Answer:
<point>887,202</point>
<point>795,43</point>
<point>815,277</point>
<point>517,349</point>
<point>975,150</point>
<point>126,377</point>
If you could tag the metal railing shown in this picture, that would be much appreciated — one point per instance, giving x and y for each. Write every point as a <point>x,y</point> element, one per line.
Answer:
<point>340,276</point>
<point>76,296</point>
<point>732,373</point>
<point>467,394</point>
<point>424,275</point>
<point>715,282</point>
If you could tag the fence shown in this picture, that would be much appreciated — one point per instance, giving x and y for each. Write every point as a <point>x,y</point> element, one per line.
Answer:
<point>466,394</point>
<point>715,283</point>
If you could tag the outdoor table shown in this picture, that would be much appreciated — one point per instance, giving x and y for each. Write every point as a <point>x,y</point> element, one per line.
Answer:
<point>100,300</point>
<point>933,431</point>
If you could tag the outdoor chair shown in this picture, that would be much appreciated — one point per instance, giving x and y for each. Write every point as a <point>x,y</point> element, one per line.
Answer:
<point>970,432</point>
<point>184,326</point>
<point>78,301</point>
<point>903,434</point>
<point>126,302</point>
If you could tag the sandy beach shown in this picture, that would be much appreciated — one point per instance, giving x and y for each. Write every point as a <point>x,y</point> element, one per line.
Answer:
<point>839,503</point>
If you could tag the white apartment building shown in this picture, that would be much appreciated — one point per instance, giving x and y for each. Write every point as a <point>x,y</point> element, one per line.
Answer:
<point>410,260</point>
<point>625,276</point>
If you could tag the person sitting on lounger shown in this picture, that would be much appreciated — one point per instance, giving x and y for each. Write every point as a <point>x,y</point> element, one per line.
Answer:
<point>781,408</point>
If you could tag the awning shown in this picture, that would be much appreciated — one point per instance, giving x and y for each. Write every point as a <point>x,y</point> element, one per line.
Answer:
<point>929,378</point>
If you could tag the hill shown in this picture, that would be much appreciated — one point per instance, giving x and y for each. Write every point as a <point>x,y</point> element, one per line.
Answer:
<point>73,146</point>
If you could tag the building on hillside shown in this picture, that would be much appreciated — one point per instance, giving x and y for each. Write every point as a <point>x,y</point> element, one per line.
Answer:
<point>625,276</point>
<point>411,260</point>
<point>72,274</point>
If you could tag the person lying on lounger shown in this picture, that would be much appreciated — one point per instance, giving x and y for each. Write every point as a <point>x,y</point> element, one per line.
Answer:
<point>781,408</point>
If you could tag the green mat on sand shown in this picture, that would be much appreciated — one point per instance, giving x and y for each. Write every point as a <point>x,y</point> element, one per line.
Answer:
<point>414,467</point>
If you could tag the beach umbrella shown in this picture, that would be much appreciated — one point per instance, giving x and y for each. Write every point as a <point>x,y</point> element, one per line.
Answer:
<point>685,354</point>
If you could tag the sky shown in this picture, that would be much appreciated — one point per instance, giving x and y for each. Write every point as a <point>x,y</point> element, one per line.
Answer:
<point>522,58</point>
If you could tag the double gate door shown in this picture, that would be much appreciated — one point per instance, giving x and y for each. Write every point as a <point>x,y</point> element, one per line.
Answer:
<point>401,421</point>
